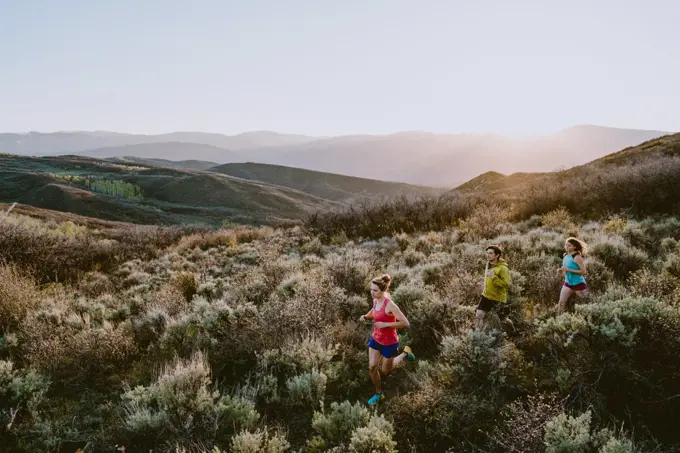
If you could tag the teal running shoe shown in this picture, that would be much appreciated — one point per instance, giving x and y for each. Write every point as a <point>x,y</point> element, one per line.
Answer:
<point>375,398</point>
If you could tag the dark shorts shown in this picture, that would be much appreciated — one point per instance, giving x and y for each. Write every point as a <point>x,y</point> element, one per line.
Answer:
<point>579,287</point>
<point>487,305</point>
<point>388,351</point>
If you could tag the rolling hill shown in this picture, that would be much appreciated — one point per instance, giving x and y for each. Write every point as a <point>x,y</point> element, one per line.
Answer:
<point>152,191</point>
<point>190,164</point>
<point>636,182</point>
<point>331,186</point>
<point>493,181</point>
<point>667,145</point>
<point>145,194</point>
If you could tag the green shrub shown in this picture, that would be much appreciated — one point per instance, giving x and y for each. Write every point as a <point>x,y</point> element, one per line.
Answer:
<point>615,225</point>
<point>543,282</point>
<point>484,222</point>
<point>412,258</point>
<point>259,441</point>
<point>351,271</point>
<point>662,285</point>
<point>567,434</point>
<point>560,220</point>
<point>481,362</point>
<point>522,425</point>
<point>21,394</point>
<point>337,426</point>
<point>377,435</point>
<point>621,258</point>
<point>598,275</point>
<point>307,389</point>
<point>182,403</point>
<point>408,296</point>
<point>649,234</point>
<point>304,355</point>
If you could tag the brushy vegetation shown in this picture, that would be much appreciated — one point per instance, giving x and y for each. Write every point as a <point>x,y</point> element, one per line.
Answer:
<point>64,251</point>
<point>636,188</point>
<point>245,339</point>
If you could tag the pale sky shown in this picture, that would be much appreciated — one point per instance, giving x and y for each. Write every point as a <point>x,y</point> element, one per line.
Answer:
<point>322,67</point>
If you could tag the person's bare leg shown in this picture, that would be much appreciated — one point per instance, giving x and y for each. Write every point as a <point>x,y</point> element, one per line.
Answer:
<point>390,364</point>
<point>508,325</point>
<point>582,294</point>
<point>565,294</point>
<point>373,370</point>
<point>479,320</point>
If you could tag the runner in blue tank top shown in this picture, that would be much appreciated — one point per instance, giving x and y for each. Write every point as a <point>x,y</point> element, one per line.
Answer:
<point>574,269</point>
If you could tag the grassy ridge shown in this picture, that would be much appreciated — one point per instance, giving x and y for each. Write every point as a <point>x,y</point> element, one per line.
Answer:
<point>160,195</point>
<point>190,164</point>
<point>321,184</point>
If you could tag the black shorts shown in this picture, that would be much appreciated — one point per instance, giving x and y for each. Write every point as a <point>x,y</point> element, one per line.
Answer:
<point>487,305</point>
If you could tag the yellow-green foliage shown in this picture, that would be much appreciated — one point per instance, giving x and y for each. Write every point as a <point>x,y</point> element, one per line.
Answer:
<point>116,188</point>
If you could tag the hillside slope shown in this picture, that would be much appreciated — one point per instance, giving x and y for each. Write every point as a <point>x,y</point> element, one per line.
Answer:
<point>331,186</point>
<point>189,164</point>
<point>636,182</point>
<point>665,146</point>
<point>147,195</point>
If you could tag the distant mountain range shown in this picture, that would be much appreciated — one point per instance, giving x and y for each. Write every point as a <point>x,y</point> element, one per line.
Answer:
<point>411,157</point>
<point>154,151</point>
<point>53,143</point>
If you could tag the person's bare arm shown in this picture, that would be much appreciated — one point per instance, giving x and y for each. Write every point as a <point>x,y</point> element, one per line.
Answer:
<point>581,264</point>
<point>368,315</point>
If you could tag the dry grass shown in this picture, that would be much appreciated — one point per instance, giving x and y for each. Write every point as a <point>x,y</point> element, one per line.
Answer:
<point>19,295</point>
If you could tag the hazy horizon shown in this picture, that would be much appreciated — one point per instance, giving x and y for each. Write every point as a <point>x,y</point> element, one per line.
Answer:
<point>516,70</point>
<point>397,132</point>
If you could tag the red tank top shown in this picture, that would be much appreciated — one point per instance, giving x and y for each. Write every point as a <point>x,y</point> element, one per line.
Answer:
<point>387,335</point>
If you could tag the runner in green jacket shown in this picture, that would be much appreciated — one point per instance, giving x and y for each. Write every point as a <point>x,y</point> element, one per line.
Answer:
<point>496,284</point>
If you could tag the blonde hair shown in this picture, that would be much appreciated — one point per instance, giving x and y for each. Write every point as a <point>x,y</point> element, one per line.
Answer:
<point>382,282</point>
<point>580,246</point>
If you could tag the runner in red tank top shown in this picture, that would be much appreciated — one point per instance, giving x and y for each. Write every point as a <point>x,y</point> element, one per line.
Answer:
<point>384,340</point>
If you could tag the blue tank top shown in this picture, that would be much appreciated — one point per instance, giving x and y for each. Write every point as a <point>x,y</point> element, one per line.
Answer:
<point>570,277</point>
